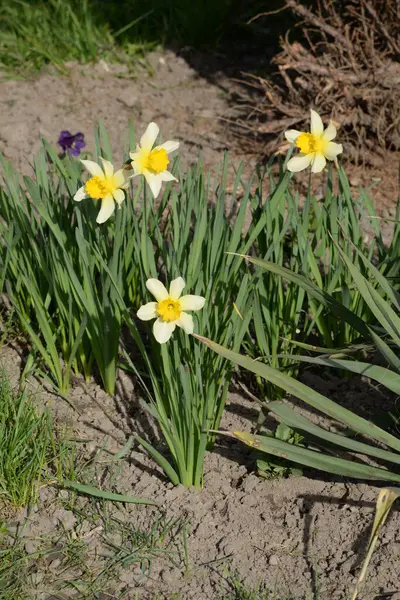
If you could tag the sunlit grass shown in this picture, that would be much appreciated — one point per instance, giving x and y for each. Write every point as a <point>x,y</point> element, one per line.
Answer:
<point>34,33</point>
<point>27,445</point>
<point>121,547</point>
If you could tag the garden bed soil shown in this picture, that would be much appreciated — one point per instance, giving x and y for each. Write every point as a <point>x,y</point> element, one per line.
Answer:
<point>185,105</point>
<point>303,537</point>
<point>191,102</point>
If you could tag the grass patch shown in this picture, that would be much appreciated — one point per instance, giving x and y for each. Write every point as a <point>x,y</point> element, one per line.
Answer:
<point>38,32</point>
<point>100,554</point>
<point>27,445</point>
<point>237,589</point>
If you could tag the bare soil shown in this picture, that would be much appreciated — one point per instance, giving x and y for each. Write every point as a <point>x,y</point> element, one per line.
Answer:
<point>194,100</point>
<point>185,105</point>
<point>302,537</point>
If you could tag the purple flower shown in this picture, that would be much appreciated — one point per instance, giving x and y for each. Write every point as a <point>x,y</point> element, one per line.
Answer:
<point>72,143</point>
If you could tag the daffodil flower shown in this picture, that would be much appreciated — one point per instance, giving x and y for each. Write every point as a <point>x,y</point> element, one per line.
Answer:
<point>152,162</point>
<point>104,185</point>
<point>315,147</point>
<point>169,310</point>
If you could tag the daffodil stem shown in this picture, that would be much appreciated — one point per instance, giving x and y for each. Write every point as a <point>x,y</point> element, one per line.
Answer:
<point>145,213</point>
<point>306,210</point>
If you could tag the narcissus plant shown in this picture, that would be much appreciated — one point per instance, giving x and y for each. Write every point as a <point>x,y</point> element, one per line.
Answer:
<point>104,185</point>
<point>152,162</point>
<point>170,308</point>
<point>315,147</point>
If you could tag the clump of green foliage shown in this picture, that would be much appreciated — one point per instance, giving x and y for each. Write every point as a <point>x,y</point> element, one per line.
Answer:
<point>27,445</point>
<point>34,33</point>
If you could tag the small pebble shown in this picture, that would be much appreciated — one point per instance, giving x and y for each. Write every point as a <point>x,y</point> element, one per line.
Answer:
<point>273,560</point>
<point>30,546</point>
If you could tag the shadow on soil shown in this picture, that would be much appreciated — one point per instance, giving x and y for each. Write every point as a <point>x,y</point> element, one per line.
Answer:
<point>360,544</point>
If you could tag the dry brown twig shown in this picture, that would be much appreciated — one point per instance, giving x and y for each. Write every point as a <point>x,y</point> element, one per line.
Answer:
<point>347,66</point>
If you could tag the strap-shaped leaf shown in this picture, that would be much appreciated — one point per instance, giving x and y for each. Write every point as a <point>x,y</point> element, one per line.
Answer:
<point>293,419</point>
<point>315,292</point>
<point>307,394</point>
<point>389,379</point>
<point>312,459</point>
<point>104,495</point>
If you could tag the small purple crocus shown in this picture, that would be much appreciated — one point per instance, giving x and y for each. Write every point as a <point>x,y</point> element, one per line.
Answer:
<point>72,143</point>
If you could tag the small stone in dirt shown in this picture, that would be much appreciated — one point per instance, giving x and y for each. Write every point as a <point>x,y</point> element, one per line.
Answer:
<point>347,565</point>
<point>54,565</point>
<point>31,546</point>
<point>37,577</point>
<point>116,539</point>
<point>66,517</point>
<point>250,500</point>
<point>225,489</point>
<point>206,114</point>
<point>128,98</point>
<point>250,483</point>
<point>55,555</point>
<point>126,576</point>
<point>204,528</point>
<point>167,576</point>
<point>273,560</point>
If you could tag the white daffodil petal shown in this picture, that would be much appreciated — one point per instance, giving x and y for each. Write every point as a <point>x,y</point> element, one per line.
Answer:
<point>190,302</point>
<point>107,209</point>
<point>169,146</point>
<point>176,288</point>
<point>147,311</point>
<point>121,178</point>
<point>185,321</point>
<point>80,194</point>
<point>107,167</point>
<point>154,181</point>
<point>299,163</point>
<point>332,150</point>
<point>149,137</point>
<point>167,176</point>
<point>118,196</point>
<point>157,289</point>
<point>330,132</point>
<point>163,330</point>
<point>292,134</point>
<point>94,169</point>
<point>136,167</point>
<point>317,127</point>
<point>318,163</point>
